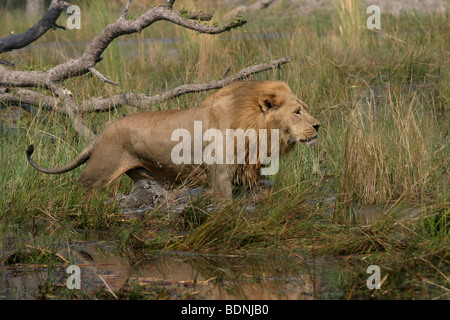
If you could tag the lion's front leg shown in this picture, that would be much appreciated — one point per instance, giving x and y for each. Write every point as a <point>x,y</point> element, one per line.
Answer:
<point>220,183</point>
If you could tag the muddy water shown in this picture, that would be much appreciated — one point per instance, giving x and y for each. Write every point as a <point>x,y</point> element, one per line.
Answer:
<point>294,276</point>
<point>182,274</point>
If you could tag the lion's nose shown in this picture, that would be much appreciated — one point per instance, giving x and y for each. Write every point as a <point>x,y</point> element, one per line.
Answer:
<point>316,126</point>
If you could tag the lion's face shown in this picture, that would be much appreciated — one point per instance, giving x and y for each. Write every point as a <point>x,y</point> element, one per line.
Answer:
<point>283,110</point>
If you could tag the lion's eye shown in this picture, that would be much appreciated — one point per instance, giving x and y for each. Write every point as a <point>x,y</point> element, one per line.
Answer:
<point>298,112</point>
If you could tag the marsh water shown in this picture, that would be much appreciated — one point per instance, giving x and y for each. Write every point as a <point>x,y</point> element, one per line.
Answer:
<point>181,275</point>
<point>184,275</point>
<point>187,275</point>
<point>178,275</point>
<point>107,268</point>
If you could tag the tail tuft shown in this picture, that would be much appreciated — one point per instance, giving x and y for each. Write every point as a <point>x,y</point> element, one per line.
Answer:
<point>30,151</point>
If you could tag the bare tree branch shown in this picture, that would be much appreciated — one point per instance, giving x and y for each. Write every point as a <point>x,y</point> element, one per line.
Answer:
<point>125,11</point>
<point>65,104</point>
<point>202,16</point>
<point>146,101</point>
<point>7,63</point>
<point>25,96</point>
<point>94,50</point>
<point>169,3</point>
<point>48,21</point>
<point>226,72</point>
<point>52,78</point>
<point>133,99</point>
<point>74,115</point>
<point>257,5</point>
<point>261,4</point>
<point>102,77</point>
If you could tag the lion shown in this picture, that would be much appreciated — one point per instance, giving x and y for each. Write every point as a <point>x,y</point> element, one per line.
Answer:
<point>140,145</point>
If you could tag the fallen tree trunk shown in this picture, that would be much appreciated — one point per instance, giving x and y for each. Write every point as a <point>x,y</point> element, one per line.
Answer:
<point>16,82</point>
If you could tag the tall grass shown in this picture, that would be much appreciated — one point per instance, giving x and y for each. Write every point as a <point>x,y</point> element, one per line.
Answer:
<point>391,151</point>
<point>350,22</point>
<point>383,106</point>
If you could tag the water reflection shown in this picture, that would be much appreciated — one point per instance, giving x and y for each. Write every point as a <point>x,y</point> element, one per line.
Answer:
<point>203,276</point>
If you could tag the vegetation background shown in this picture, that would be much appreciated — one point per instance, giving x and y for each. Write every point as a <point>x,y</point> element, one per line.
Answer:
<point>374,188</point>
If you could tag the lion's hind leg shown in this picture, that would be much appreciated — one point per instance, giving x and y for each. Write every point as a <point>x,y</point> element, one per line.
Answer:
<point>137,174</point>
<point>101,171</point>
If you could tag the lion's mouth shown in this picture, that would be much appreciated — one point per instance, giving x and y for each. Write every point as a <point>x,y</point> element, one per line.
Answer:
<point>309,141</point>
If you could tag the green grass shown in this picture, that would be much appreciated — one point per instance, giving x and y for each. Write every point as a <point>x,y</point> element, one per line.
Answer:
<point>381,97</point>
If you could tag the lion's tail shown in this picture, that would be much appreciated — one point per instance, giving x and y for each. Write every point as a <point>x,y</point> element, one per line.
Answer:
<point>79,160</point>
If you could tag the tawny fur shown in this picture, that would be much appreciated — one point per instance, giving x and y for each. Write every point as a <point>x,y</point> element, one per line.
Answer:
<point>140,144</point>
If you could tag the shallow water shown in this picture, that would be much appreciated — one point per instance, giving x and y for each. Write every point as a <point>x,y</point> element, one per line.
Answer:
<point>181,275</point>
<point>187,275</point>
<point>295,276</point>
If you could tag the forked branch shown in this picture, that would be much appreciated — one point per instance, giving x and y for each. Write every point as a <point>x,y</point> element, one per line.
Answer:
<point>48,21</point>
<point>15,82</point>
<point>92,54</point>
<point>147,101</point>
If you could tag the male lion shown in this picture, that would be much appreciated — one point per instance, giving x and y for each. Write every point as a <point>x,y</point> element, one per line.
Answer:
<point>140,144</point>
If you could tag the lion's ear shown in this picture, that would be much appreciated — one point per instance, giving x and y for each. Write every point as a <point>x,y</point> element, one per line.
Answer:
<point>267,103</point>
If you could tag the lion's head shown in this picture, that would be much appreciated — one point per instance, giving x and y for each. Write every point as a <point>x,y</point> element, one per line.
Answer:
<point>267,105</point>
<point>270,105</point>
<point>285,111</point>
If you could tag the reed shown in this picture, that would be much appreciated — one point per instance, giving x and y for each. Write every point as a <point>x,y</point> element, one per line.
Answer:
<point>382,101</point>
